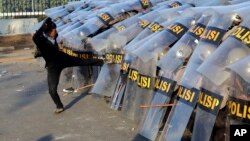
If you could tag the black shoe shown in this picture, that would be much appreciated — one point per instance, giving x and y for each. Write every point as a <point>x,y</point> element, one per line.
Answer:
<point>59,110</point>
<point>107,99</point>
<point>69,90</point>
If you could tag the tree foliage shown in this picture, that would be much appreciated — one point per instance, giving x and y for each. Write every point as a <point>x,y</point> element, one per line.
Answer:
<point>29,5</point>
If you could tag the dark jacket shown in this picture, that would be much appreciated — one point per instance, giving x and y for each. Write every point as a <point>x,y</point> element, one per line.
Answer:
<point>49,51</point>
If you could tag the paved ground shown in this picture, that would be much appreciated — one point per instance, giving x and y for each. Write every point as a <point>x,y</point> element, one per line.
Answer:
<point>26,110</point>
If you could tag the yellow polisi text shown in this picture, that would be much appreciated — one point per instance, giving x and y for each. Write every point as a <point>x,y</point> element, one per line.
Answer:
<point>116,58</point>
<point>143,23</point>
<point>145,3</point>
<point>197,30</point>
<point>186,94</point>
<point>176,28</point>
<point>133,74</point>
<point>211,35</point>
<point>242,34</point>
<point>144,81</point>
<point>105,17</point>
<point>239,109</point>
<point>125,66</point>
<point>162,85</point>
<point>208,101</point>
<point>154,27</point>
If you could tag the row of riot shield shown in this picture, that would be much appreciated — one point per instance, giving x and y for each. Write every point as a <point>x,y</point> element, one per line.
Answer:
<point>179,68</point>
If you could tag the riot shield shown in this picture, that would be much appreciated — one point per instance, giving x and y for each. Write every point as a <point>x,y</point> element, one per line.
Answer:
<point>132,31</point>
<point>128,103</point>
<point>105,18</point>
<point>179,116</point>
<point>232,49</point>
<point>165,85</point>
<point>219,24</point>
<point>166,37</point>
<point>239,98</point>
<point>210,93</point>
<point>181,51</point>
<point>130,34</point>
<point>71,6</point>
<point>105,83</point>
<point>67,28</point>
<point>152,120</point>
<point>116,56</point>
<point>143,91</point>
<point>52,10</point>
<point>82,76</point>
<point>171,127</point>
<point>59,14</point>
<point>209,103</point>
<point>121,83</point>
<point>166,17</point>
<point>98,42</point>
<point>129,106</point>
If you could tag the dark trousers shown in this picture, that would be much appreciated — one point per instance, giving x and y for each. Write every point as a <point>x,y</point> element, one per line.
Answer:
<point>54,70</point>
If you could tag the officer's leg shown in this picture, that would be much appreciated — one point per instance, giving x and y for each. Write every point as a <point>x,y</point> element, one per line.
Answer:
<point>69,61</point>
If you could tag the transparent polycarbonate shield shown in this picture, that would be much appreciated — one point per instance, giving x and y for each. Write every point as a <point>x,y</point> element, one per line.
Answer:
<point>118,93</point>
<point>239,92</point>
<point>210,92</point>
<point>242,68</point>
<point>169,4</point>
<point>177,122</point>
<point>59,23</point>
<point>104,18</point>
<point>209,3</point>
<point>141,5</point>
<point>82,76</point>
<point>132,31</point>
<point>62,27</point>
<point>180,114</point>
<point>71,6</point>
<point>165,38</point>
<point>166,18</point>
<point>142,90</point>
<point>232,49</point>
<point>146,24</point>
<point>90,28</point>
<point>72,16</point>
<point>86,15</point>
<point>111,73</point>
<point>65,29</point>
<point>237,1</point>
<point>129,94</point>
<point>105,83</point>
<point>209,112</point>
<point>127,22</point>
<point>98,42</point>
<point>52,10</point>
<point>218,25</point>
<point>152,120</point>
<point>181,51</point>
<point>121,84</point>
<point>209,104</point>
<point>59,14</point>
<point>131,46</point>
